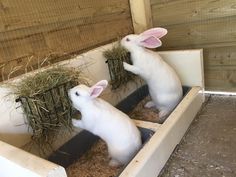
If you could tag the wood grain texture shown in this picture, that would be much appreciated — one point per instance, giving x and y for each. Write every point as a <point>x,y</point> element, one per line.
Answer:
<point>54,45</point>
<point>190,10</point>
<point>221,78</point>
<point>34,30</point>
<point>214,32</point>
<point>207,24</point>
<point>27,13</point>
<point>220,68</point>
<point>220,56</point>
<point>141,15</point>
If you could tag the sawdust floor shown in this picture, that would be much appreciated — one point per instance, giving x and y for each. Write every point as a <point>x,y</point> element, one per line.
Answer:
<point>93,164</point>
<point>209,147</point>
<point>145,114</point>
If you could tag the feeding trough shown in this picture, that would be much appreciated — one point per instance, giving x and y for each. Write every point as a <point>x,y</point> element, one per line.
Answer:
<point>157,147</point>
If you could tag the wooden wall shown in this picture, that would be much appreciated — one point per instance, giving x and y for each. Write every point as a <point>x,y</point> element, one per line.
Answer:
<point>207,24</point>
<point>32,30</point>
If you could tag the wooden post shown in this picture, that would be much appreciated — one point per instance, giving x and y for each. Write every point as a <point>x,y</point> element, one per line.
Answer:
<point>141,15</point>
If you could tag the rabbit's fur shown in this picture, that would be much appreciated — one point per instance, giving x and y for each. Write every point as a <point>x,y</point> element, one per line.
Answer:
<point>110,124</point>
<point>164,85</point>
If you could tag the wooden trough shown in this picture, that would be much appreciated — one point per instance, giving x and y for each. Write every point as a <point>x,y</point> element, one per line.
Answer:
<point>149,160</point>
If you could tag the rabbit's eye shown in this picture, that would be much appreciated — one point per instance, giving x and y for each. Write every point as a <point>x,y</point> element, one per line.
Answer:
<point>76,93</point>
<point>127,39</point>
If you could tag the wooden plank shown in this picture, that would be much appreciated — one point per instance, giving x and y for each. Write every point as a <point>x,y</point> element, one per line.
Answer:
<point>83,37</point>
<point>28,13</point>
<point>193,65</point>
<point>220,56</point>
<point>216,31</point>
<point>31,30</point>
<point>185,11</point>
<point>141,15</point>
<point>148,125</point>
<point>29,162</point>
<point>221,78</point>
<point>198,46</point>
<point>220,68</point>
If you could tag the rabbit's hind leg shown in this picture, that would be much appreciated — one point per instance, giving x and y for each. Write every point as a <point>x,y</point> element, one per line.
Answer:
<point>150,104</point>
<point>114,163</point>
<point>163,114</point>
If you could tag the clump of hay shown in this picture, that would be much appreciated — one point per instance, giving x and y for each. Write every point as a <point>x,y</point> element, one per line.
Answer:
<point>45,101</point>
<point>115,58</point>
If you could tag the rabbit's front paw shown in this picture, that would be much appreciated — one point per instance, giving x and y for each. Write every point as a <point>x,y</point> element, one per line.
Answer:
<point>131,68</point>
<point>126,66</point>
<point>77,123</point>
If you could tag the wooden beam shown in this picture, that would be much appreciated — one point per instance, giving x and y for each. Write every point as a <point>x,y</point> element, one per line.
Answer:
<point>141,15</point>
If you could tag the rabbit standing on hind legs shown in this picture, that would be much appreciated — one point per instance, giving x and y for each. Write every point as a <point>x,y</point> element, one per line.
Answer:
<point>122,137</point>
<point>163,83</point>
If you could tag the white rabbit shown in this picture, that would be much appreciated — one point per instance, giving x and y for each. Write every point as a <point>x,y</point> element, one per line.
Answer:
<point>164,85</point>
<point>110,124</point>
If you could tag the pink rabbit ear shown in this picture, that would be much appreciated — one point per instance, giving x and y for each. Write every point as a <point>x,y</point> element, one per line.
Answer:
<point>150,42</point>
<point>157,32</point>
<point>102,83</point>
<point>97,89</point>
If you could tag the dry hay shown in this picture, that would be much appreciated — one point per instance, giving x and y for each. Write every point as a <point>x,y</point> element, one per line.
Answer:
<point>94,163</point>
<point>115,58</point>
<point>45,102</point>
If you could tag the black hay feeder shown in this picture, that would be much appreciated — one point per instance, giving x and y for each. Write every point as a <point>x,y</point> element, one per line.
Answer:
<point>115,58</point>
<point>48,111</point>
<point>46,104</point>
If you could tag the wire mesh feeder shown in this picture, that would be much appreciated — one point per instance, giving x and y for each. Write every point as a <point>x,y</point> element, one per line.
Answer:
<point>48,111</point>
<point>46,104</point>
<point>115,58</point>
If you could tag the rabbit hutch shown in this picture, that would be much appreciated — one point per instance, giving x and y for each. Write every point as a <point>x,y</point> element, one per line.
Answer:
<point>49,47</point>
